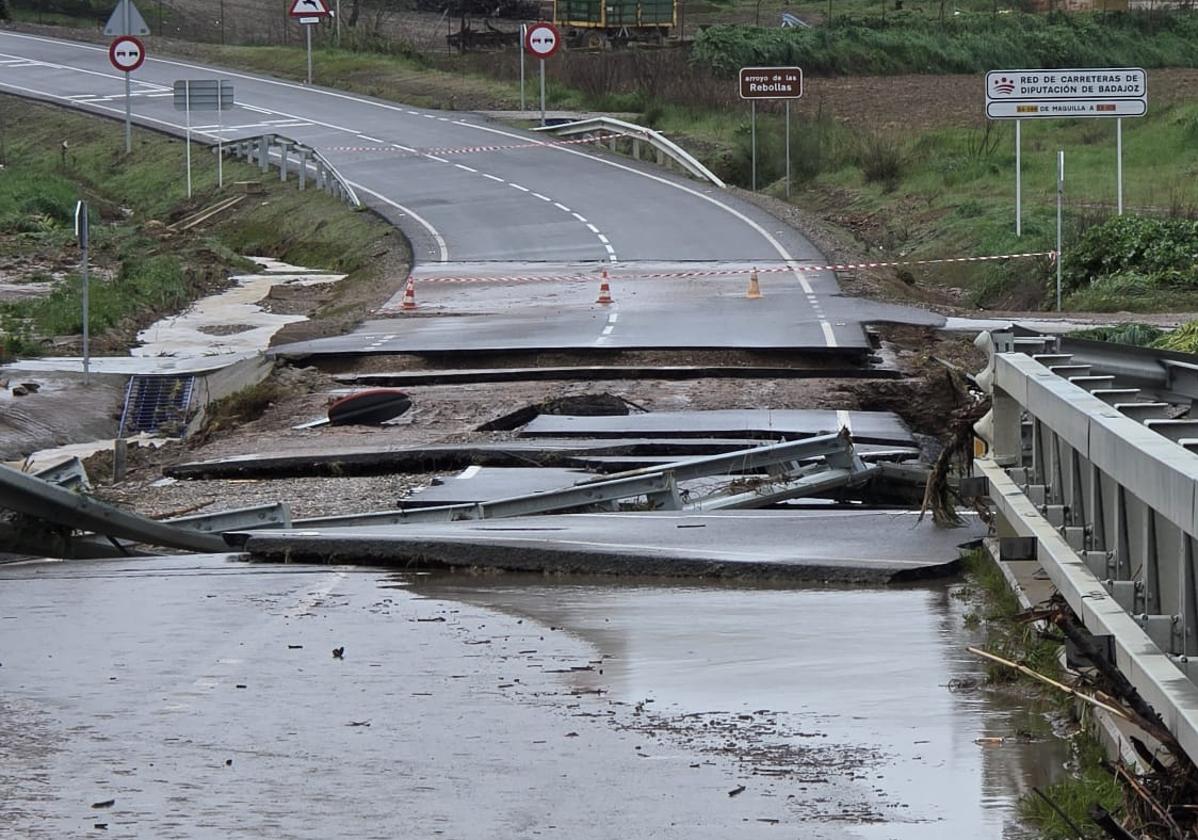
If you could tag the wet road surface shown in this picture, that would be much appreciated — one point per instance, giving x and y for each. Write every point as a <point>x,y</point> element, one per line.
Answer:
<point>201,695</point>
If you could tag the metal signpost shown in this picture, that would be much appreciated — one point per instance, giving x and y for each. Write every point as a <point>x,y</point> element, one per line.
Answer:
<point>81,232</point>
<point>1065,94</point>
<point>309,13</point>
<point>1060,203</point>
<point>523,52</point>
<point>126,53</point>
<point>205,95</point>
<point>542,40</point>
<point>770,83</point>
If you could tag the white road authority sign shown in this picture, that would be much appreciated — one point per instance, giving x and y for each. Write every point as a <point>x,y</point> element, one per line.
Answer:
<point>1065,94</point>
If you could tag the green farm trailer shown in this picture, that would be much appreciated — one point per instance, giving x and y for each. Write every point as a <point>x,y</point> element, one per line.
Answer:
<point>602,23</point>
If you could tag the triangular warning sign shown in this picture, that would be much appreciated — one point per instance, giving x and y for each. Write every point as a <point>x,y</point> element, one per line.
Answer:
<point>309,8</point>
<point>126,20</point>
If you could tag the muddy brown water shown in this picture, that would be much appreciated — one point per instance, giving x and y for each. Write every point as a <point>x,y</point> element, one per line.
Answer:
<point>860,707</point>
<point>199,693</point>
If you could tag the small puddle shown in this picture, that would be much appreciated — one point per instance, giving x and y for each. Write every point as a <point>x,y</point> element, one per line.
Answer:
<point>863,705</point>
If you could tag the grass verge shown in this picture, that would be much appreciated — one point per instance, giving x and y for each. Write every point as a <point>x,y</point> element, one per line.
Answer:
<point>141,270</point>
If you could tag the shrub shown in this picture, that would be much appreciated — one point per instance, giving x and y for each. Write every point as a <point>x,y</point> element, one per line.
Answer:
<point>1143,251</point>
<point>965,43</point>
<point>881,161</point>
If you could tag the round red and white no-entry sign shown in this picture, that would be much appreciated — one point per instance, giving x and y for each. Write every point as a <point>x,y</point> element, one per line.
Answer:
<point>542,40</point>
<point>126,53</point>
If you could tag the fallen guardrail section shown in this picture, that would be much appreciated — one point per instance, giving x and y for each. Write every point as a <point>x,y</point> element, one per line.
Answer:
<point>838,466</point>
<point>716,515</point>
<point>292,157</point>
<point>58,522</point>
<point>1104,481</point>
<point>634,136</point>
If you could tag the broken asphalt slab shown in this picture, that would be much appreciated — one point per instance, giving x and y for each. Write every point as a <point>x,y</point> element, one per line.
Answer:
<point>806,546</point>
<point>864,426</point>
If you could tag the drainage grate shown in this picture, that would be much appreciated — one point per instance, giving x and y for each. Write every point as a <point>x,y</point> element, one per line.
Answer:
<point>156,404</point>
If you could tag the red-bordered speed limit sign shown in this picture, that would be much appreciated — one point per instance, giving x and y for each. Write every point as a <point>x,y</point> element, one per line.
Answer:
<point>542,40</point>
<point>126,53</point>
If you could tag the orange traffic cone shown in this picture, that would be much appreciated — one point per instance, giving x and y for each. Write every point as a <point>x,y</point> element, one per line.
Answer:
<point>409,296</point>
<point>754,291</point>
<point>604,290</point>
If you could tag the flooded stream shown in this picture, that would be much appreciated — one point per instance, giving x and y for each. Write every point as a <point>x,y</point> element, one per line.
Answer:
<point>873,687</point>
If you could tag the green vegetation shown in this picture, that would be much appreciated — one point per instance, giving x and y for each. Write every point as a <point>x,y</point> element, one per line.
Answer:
<point>141,271</point>
<point>1137,335</point>
<point>997,609</point>
<point>243,406</point>
<point>1089,783</point>
<point>964,43</point>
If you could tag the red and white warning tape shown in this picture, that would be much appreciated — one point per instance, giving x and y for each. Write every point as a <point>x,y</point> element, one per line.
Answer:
<point>468,150</point>
<point>733,272</point>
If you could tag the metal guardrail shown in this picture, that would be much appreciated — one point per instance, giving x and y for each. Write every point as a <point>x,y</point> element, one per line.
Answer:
<point>291,156</point>
<point>1112,503</point>
<point>49,503</point>
<point>665,148</point>
<point>659,485</point>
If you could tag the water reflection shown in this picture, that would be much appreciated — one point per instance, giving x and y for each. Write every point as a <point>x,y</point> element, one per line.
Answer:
<point>867,670</point>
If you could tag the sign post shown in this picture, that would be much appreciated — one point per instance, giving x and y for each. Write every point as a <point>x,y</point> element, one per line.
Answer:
<point>81,232</point>
<point>542,41</point>
<point>523,51</point>
<point>205,95</point>
<point>1060,202</point>
<point>309,13</point>
<point>126,53</point>
<point>770,83</point>
<point>1066,94</point>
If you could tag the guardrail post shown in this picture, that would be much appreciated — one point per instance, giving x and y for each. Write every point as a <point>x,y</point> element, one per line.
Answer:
<point>322,175</point>
<point>636,149</point>
<point>303,167</point>
<point>264,152</point>
<point>284,149</point>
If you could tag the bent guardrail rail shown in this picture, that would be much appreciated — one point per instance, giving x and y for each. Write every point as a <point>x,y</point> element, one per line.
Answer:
<point>658,485</point>
<point>665,148</point>
<point>44,501</point>
<point>1109,493</point>
<point>276,150</point>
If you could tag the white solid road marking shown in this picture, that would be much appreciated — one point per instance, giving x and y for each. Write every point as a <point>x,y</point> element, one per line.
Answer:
<point>444,257</point>
<point>829,336</point>
<point>470,472</point>
<point>778,247</point>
